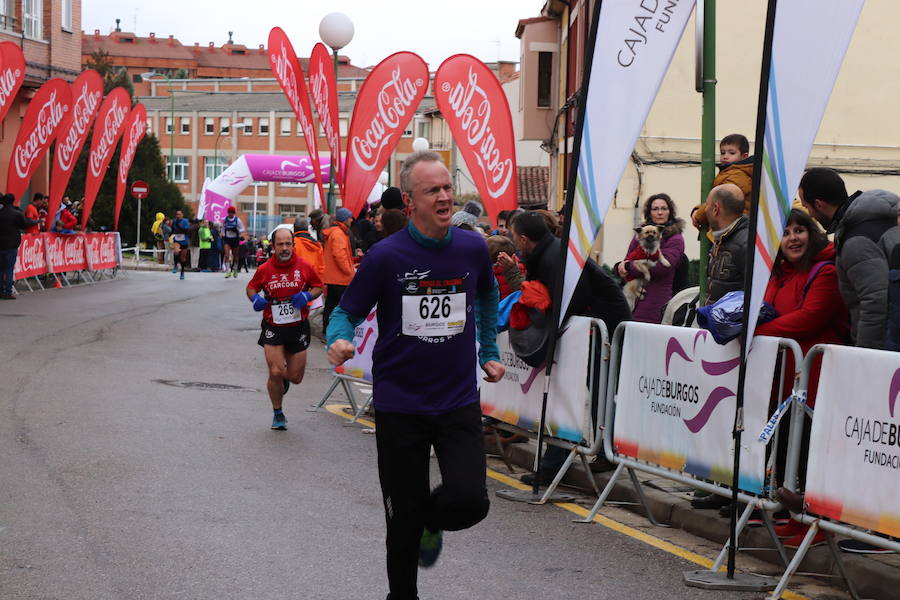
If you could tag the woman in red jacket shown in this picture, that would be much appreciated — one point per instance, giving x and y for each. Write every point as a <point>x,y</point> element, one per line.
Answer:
<point>804,291</point>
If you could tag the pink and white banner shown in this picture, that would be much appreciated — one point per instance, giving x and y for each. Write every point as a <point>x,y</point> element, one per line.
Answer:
<point>676,400</point>
<point>32,257</point>
<point>364,337</point>
<point>217,195</point>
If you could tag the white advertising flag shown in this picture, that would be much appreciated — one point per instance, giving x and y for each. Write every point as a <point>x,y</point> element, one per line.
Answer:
<point>635,44</point>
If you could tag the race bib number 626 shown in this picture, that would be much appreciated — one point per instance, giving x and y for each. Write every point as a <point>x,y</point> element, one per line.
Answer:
<point>434,314</point>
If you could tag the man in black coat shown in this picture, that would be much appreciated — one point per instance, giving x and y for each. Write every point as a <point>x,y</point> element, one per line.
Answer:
<point>596,295</point>
<point>12,222</point>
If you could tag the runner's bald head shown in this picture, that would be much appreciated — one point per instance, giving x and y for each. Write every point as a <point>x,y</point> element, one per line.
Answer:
<point>287,232</point>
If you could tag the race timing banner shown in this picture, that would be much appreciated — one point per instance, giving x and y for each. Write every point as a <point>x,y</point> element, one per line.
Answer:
<point>675,402</point>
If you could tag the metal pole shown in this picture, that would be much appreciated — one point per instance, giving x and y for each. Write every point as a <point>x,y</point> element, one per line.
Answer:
<point>171,133</point>
<point>137,244</point>
<point>748,272</point>
<point>330,202</point>
<point>255,198</point>
<point>707,13</point>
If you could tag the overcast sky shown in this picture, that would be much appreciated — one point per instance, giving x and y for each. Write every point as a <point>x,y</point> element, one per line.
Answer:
<point>432,29</point>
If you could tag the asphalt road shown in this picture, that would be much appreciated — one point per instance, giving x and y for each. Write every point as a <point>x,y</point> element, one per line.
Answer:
<point>117,485</point>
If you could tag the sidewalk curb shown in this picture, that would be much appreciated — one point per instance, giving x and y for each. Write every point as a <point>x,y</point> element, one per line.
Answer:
<point>872,578</point>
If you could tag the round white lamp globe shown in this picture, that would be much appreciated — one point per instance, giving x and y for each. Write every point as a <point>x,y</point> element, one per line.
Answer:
<point>420,144</point>
<point>336,30</point>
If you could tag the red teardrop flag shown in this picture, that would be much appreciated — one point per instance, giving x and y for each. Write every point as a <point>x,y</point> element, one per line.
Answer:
<point>385,104</point>
<point>87,92</point>
<point>473,103</point>
<point>107,130</point>
<point>323,85</point>
<point>290,75</point>
<point>12,74</point>
<point>135,128</point>
<point>47,110</point>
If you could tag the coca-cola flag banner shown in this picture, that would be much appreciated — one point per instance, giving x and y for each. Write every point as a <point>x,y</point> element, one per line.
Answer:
<point>385,104</point>
<point>87,92</point>
<point>12,74</point>
<point>107,130</point>
<point>135,128</point>
<point>47,110</point>
<point>290,75</point>
<point>473,103</point>
<point>31,259</point>
<point>323,85</point>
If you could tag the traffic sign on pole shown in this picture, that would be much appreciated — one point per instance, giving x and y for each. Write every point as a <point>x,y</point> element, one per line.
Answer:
<point>140,189</point>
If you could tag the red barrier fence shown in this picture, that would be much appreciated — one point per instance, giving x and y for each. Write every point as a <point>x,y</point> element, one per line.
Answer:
<point>42,253</point>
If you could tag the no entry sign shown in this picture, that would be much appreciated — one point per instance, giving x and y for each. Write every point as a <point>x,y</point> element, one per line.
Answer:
<point>140,189</point>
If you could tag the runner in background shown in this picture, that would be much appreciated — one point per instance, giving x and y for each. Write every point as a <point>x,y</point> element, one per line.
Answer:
<point>282,289</point>
<point>180,241</point>
<point>233,228</point>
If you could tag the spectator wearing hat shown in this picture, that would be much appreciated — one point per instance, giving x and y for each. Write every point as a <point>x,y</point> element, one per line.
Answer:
<point>339,268</point>
<point>467,217</point>
<point>392,199</point>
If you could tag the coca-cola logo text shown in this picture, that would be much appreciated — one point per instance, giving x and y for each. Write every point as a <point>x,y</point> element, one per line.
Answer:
<point>284,70</point>
<point>83,109</point>
<point>8,80</point>
<point>111,125</point>
<point>48,119</point>
<point>102,250</point>
<point>394,102</point>
<point>31,257</point>
<point>475,120</point>
<point>66,251</point>
<point>137,132</point>
<point>320,94</point>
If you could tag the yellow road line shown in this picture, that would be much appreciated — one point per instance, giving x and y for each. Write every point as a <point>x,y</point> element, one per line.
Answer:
<point>583,512</point>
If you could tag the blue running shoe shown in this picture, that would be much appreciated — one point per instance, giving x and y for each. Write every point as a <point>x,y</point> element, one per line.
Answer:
<point>279,422</point>
<point>175,269</point>
<point>181,276</point>
<point>430,547</point>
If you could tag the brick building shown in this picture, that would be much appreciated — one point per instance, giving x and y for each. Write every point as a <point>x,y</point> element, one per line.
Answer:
<point>48,33</point>
<point>168,57</point>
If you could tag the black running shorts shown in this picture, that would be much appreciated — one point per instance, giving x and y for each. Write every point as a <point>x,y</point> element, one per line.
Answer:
<point>294,338</point>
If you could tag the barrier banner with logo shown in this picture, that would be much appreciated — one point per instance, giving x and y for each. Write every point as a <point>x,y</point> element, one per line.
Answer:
<point>289,73</point>
<point>107,131</point>
<point>384,106</point>
<point>364,338</point>
<point>104,250</point>
<point>12,74</point>
<point>87,92</point>
<point>853,472</point>
<point>65,253</point>
<point>134,129</point>
<point>31,259</point>
<point>675,402</point>
<point>474,104</point>
<point>46,112</point>
<point>323,85</point>
<point>517,398</point>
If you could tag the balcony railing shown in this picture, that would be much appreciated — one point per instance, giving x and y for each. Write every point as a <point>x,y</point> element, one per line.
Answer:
<point>9,23</point>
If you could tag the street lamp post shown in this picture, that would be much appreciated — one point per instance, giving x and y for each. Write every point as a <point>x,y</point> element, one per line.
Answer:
<point>336,30</point>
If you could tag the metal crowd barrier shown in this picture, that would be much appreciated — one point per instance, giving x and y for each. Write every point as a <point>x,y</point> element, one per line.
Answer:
<point>830,527</point>
<point>767,504</point>
<point>346,383</point>
<point>589,448</point>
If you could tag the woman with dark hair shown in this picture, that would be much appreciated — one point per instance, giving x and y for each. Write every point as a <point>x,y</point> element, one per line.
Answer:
<point>659,210</point>
<point>803,289</point>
